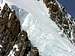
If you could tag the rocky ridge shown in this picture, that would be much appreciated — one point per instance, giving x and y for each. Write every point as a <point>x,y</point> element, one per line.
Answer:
<point>13,41</point>
<point>62,18</point>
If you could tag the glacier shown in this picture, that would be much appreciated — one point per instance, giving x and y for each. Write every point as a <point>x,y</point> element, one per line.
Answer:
<point>42,31</point>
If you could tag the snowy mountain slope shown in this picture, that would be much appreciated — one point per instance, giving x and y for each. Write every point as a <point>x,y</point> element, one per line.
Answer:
<point>62,18</point>
<point>43,32</point>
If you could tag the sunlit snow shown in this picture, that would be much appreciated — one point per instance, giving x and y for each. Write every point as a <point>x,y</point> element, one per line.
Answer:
<point>42,31</point>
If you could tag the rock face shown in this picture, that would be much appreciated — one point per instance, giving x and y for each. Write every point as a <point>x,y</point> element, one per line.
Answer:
<point>59,15</point>
<point>13,41</point>
<point>34,52</point>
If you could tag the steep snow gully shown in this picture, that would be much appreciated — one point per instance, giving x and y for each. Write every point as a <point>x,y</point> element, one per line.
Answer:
<point>42,31</point>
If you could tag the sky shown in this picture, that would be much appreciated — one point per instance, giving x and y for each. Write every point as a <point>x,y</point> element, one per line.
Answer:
<point>69,5</point>
<point>24,4</point>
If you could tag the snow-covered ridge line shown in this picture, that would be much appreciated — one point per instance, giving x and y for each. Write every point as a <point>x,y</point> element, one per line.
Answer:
<point>62,18</point>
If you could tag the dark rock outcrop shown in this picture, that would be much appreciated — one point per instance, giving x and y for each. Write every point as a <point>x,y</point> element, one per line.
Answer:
<point>34,52</point>
<point>60,16</point>
<point>13,41</point>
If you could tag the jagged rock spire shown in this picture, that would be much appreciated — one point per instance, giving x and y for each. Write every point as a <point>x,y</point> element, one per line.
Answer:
<point>13,41</point>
